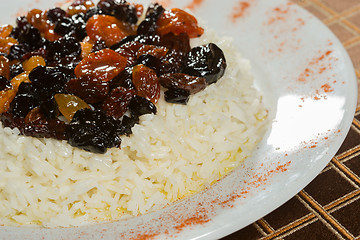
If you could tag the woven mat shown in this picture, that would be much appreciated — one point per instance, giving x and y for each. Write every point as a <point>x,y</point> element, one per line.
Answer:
<point>329,207</point>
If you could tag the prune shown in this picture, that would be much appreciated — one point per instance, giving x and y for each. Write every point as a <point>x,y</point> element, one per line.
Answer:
<point>146,83</point>
<point>93,131</point>
<point>118,101</point>
<point>139,106</point>
<point>62,48</point>
<point>180,80</point>
<point>55,14</point>
<point>15,70</point>
<point>91,90</point>
<point>22,104</point>
<point>4,83</point>
<point>107,28</point>
<point>178,21</point>
<point>103,65</point>
<point>180,96</point>
<point>205,61</point>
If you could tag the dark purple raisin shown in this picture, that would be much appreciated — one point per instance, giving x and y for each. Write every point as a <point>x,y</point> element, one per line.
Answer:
<point>4,83</point>
<point>139,106</point>
<point>126,124</point>
<point>15,70</point>
<point>62,48</point>
<point>79,26</point>
<point>32,38</point>
<point>116,104</point>
<point>149,25</point>
<point>64,26</point>
<point>126,13</point>
<point>91,12</point>
<point>55,14</point>
<point>21,25</point>
<point>22,104</point>
<point>150,61</point>
<point>18,51</point>
<point>93,131</point>
<point>179,96</point>
<point>41,128</point>
<point>180,80</point>
<point>123,79</point>
<point>49,108</point>
<point>205,61</point>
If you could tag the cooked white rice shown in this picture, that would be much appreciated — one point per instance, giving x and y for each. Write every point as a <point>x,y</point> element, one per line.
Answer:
<point>179,151</point>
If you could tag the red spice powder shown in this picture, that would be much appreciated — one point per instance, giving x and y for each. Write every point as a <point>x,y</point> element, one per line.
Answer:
<point>316,65</point>
<point>239,10</point>
<point>194,4</point>
<point>327,88</point>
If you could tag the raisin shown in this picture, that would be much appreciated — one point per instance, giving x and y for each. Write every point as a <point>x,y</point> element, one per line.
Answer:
<point>33,115</point>
<point>18,51</point>
<point>22,104</point>
<point>39,20</point>
<point>93,131</point>
<point>123,79</point>
<point>33,62</point>
<point>149,25</point>
<point>5,31</point>
<point>129,51</point>
<point>139,106</point>
<point>6,44</point>
<point>146,83</point>
<point>107,28</point>
<point>79,6</point>
<point>156,51</point>
<point>107,6</point>
<point>151,62</point>
<point>178,21</point>
<point>15,70</point>
<point>55,14</point>
<point>4,83</point>
<point>126,124</point>
<point>206,61</point>
<point>180,96</point>
<point>43,128</point>
<point>103,65</point>
<point>91,90</point>
<point>66,47</point>
<point>180,80</point>
<point>126,13</point>
<point>64,26</point>
<point>118,101</point>
<point>91,12</point>
<point>49,108</point>
<point>98,45</point>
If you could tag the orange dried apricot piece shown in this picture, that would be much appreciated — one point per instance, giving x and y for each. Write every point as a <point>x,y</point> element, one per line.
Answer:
<point>108,29</point>
<point>6,97</point>
<point>6,43</point>
<point>5,31</point>
<point>178,21</point>
<point>146,83</point>
<point>4,67</point>
<point>103,65</point>
<point>33,62</point>
<point>69,104</point>
<point>86,48</point>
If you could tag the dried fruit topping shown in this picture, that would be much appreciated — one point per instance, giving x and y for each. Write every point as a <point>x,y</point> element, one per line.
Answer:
<point>33,62</point>
<point>86,74</point>
<point>189,83</point>
<point>90,89</point>
<point>79,6</point>
<point>108,28</point>
<point>177,95</point>
<point>178,21</point>
<point>69,104</point>
<point>93,131</point>
<point>103,65</point>
<point>118,102</point>
<point>206,61</point>
<point>146,83</point>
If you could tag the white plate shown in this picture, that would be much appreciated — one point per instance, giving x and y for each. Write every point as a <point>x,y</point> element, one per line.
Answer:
<point>309,86</point>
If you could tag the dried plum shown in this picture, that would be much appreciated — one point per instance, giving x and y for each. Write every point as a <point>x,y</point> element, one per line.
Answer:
<point>205,61</point>
<point>93,131</point>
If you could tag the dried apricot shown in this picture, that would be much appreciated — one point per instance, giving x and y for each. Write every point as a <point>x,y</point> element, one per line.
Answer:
<point>103,65</point>
<point>108,28</point>
<point>5,31</point>
<point>178,21</point>
<point>86,48</point>
<point>69,104</point>
<point>33,62</point>
<point>146,83</point>
<point>4,67</point>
